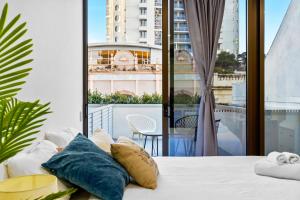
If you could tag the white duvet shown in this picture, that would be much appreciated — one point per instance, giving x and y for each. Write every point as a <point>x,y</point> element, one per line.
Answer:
<point>213,178</point>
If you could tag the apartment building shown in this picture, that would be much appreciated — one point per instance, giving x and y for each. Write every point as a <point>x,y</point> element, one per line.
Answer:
<point>140,21</point>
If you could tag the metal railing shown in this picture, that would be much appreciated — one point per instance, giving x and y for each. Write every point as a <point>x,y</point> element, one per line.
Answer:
<point>180,17</point>
<point>181,29</point>
<point>100,118</point>
<point>182,40</point>
<point>180,6</point>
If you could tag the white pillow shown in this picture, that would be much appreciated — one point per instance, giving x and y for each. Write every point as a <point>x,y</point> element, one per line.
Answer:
<point>61,139</point>
<point>3,172</point>
<point>73,131</point>
<point>29,161</point>
<point>102,139</point>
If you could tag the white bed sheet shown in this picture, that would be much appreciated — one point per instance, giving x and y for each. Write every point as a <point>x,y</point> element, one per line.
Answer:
<point>213,178</point>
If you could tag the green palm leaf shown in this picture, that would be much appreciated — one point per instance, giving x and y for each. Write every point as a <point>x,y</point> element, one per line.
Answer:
<point>19,122</point>
<point>13,55</point>
<point>58,195</point>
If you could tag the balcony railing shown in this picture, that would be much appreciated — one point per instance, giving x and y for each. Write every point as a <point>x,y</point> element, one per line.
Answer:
<point>185,40</point>
<point>138,67</point>
<point>180,17</point>
<point>112,118</point>
<point>178,6</point>
<point>158,3</point>
<point>184,29</point>
<point>100,117</point>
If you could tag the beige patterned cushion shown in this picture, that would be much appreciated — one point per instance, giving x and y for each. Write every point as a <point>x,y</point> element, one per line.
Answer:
<point>102,139</point>
<point>138,163</point>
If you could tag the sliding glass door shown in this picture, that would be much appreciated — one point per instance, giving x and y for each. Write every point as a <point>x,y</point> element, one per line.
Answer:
<point>282,61</point>
<point>142,80</point>
<point>228,84</point>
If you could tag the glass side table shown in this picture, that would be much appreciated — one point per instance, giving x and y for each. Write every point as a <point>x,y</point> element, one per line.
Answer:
<point>28,187</point>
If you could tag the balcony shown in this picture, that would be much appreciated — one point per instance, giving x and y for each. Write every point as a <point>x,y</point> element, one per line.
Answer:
<point>143,39</point>
<point>178,6</point>
<point>180,18</point>
<point>143,5</point>
<point>143,16</point>
<point>112,118</point>
<point>158,3</point>
<point>181,29</point>
<point>143,27</point>
<point>182,40</point>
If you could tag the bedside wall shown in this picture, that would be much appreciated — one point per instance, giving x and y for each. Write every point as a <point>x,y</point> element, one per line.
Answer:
<point>56,29</point>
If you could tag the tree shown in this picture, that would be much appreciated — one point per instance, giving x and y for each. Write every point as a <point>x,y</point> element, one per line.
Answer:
<point>226,63</point>
<point>242,58</point>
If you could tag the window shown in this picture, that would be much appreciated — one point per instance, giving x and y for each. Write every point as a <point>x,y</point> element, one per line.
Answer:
<point>143,11</point>
<point>228,84</point>
<point>143,34</point>
<point>282,97</point>
<point>143,22</point>
<point>124,74</point>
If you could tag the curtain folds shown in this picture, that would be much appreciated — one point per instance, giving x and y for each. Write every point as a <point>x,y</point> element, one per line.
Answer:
<point>205,20</point>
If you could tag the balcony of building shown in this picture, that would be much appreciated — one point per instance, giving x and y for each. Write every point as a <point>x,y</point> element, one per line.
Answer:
<point>182,40</point>
<point>180,18</point>
<point>113,119</point>
<point>143,4</point>
<point>178,6</point>
<point>158,3</point>
<point>184,29</point>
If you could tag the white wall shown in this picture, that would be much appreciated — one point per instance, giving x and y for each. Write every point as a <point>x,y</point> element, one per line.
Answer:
<point>56,29</point>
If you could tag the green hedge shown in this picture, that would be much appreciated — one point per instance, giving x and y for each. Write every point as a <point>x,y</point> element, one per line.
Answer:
<point>118,98</point>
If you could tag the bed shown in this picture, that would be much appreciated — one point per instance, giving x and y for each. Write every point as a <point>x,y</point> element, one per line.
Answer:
<point>213,178</point>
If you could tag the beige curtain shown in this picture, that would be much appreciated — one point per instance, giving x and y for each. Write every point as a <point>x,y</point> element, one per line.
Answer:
<point>205,20</point>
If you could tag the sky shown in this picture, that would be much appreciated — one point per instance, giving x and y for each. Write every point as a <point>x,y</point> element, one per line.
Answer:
<point>274,13</point>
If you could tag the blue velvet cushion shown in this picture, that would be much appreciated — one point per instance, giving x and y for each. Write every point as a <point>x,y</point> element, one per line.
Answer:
<point>87,166</point>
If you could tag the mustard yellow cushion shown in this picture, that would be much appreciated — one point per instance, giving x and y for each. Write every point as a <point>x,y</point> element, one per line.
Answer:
<point>138,163</point>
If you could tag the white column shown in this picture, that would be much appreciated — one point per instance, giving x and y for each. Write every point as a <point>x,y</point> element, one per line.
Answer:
<point>136,87</point>
<point>112,89</point>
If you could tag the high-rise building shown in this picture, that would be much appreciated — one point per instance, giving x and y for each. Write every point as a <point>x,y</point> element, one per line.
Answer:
<point>229,37</point>
<point>140,21</point>
<point>134,21</point>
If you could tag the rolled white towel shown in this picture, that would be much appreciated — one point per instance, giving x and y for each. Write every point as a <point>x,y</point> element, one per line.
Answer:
<point>266,168</point>
<point>292,158</point>
<point>277,158</point>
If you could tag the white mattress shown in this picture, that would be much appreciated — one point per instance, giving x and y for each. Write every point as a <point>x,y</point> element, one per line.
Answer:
<point>213,178</point>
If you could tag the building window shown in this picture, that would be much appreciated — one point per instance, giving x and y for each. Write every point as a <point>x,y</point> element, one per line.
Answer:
<point>117,18</point>
<point>116,7</point>
<point>116,28</point>
<point>143,1</point>
<point>143,34</point>
<point>143,11</point>
<point>116,39</point>
<point>143,22</point>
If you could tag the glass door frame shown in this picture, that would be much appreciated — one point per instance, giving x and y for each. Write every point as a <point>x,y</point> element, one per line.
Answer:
<point>255,78</point>
<point>255,74</point>
<point>85,67</point>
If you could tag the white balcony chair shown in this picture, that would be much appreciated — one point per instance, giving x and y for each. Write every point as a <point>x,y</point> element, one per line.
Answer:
<point>145,126</point>
<point>140,124</point>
